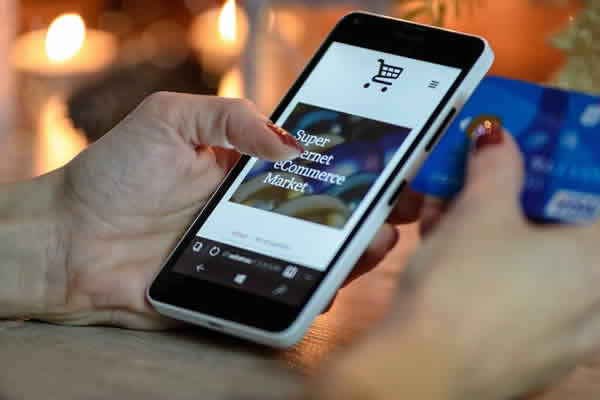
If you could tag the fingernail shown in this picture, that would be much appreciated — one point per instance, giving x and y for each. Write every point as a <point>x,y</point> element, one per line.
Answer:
<point>285,137</point>
<point>488,133</point>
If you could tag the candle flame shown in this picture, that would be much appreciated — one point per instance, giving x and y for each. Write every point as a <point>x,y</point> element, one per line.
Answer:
<point>65,37</point>
<point>227,21</point>
<point>231,85</point>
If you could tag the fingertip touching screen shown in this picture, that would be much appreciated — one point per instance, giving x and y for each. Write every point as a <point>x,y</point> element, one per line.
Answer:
<point>279,225</point>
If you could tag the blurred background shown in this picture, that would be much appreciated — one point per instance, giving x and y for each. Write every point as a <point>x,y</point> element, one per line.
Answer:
<point>76,67</point>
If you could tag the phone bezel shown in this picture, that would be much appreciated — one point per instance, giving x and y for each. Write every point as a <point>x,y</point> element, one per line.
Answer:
<point>378,33</point>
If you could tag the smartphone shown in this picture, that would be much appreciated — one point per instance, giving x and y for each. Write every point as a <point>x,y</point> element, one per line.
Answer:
<point>272,246</point>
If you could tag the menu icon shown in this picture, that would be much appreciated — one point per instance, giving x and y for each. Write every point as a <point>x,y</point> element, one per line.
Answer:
<point>433,84</point>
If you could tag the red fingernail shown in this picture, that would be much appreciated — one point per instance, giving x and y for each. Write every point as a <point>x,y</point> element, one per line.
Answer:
<point>285,137</point>
<point>488,133</point>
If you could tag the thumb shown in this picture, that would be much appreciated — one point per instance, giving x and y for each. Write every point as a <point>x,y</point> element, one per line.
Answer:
<point>217,121</point>
<point>495,170</point>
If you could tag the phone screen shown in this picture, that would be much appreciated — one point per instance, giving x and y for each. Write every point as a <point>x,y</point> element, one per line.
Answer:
<point>279,225</point>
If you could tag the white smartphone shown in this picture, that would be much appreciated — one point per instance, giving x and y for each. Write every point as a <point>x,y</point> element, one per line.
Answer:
<point>275,242</point>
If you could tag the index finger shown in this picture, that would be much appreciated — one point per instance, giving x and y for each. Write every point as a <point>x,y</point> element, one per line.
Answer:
<point>217,121</point>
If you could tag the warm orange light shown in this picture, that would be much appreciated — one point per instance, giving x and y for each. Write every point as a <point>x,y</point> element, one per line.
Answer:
<point>227,21</point>
<point>65,37</point>
<point>58,139</point>
<point>231,85</point>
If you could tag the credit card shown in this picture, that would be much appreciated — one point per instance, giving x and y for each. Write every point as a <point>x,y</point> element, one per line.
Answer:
<point>558,133</point>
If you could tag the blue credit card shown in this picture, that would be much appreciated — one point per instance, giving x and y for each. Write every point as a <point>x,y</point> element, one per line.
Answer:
<point>558,133</point>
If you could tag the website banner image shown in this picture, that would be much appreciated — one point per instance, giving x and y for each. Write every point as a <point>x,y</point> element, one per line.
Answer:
<point>344,155</point>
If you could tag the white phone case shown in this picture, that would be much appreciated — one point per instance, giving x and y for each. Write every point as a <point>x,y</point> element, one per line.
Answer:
<point>357,245</point>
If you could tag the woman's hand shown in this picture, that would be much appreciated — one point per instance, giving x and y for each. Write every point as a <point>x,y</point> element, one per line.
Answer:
<point>491,307</point>
<point>125,201</point>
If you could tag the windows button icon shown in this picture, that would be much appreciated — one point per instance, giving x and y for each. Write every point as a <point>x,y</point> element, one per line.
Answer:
<point>290,272</point>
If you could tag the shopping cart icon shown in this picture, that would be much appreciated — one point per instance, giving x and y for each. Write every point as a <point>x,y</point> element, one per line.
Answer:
<point>386,74</point>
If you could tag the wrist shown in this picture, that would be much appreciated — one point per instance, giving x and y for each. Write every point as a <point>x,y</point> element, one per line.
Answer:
<point>32,244</point>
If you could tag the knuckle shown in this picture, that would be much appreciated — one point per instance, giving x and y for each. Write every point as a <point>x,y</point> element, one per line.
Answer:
<point>243,103</point>
<point>239,106</point>
<point>164,107</point>
<point>157,104</point>
<point>158,98</point>
<point>230,108</point>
